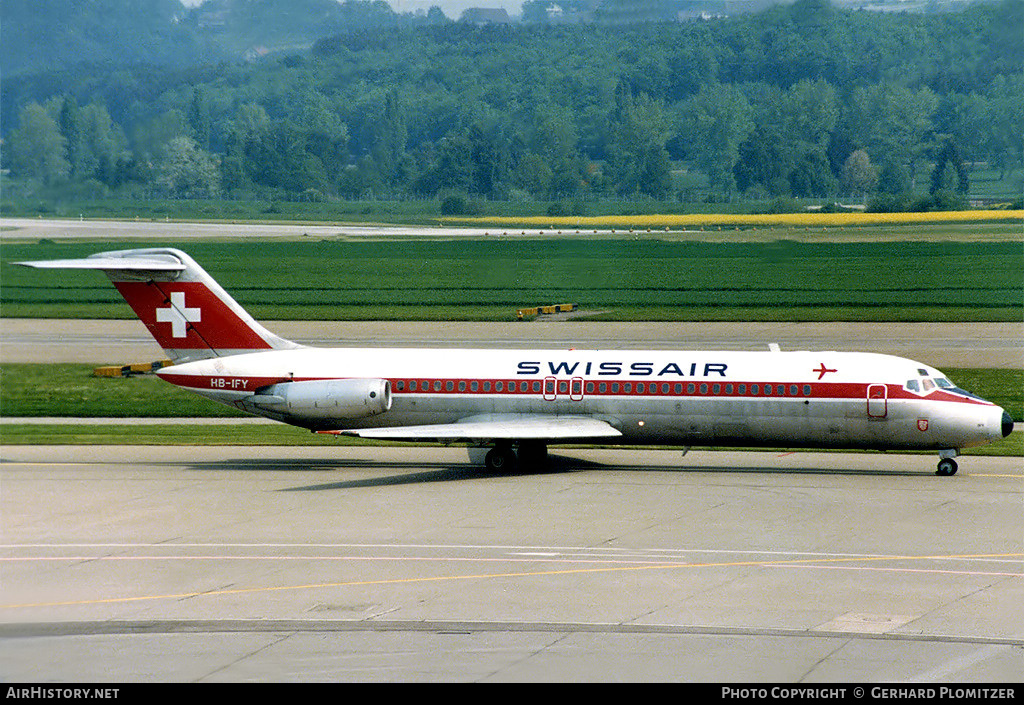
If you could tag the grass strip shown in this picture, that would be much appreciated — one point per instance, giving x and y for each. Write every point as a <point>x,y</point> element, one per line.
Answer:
<point>626,279</point>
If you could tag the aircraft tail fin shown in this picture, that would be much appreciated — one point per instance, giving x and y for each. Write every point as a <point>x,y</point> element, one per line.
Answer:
<point>188,313</point>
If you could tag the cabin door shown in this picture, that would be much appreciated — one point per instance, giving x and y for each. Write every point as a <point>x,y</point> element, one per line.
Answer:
<point>878,401</point>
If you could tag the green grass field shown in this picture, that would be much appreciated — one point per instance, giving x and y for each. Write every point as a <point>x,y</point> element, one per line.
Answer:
<point>623,278</point>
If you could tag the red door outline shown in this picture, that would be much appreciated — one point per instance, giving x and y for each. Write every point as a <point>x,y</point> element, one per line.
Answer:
<point>550,389</point>
<point>878,401</point>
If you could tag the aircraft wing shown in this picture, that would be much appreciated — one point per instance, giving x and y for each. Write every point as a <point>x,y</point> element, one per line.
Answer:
<point>517,427</point>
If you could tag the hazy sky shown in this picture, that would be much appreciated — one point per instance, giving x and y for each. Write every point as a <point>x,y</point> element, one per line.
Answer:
<point>452,8</point>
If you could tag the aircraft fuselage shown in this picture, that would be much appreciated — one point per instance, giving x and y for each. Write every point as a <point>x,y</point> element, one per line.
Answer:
<point>832,399</point>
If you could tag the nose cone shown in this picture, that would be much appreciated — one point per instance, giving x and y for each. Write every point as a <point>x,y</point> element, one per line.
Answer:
<point>1007,424</point>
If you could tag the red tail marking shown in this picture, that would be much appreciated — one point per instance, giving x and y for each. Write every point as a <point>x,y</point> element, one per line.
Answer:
<point>187,315</point>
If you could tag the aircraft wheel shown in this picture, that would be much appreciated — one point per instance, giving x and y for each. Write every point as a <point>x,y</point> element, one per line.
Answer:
<point>500,458</point>
<point>947,467</point>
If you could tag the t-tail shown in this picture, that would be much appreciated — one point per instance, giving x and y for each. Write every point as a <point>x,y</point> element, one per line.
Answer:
<point>188,313</point>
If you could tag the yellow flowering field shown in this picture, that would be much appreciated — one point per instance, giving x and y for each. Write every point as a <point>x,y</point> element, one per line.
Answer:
<point>696,220</point>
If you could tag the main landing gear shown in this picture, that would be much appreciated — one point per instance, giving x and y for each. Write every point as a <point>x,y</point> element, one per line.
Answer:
<point>500,457</point>
<point>947,466</point>
<point>528,456</point>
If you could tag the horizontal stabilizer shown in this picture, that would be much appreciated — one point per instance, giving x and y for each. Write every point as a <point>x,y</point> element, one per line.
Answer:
<point>512,427</point>
<point>113,264</point>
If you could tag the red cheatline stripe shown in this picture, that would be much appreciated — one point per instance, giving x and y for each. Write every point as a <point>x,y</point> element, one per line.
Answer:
<point>514,387</point>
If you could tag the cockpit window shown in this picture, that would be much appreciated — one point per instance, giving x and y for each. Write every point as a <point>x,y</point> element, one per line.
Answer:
<point>944,383</point>
<point>928,385</point>
<point>913,386</point>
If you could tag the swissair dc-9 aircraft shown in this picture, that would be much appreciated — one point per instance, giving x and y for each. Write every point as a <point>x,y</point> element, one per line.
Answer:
<point>519,401</point>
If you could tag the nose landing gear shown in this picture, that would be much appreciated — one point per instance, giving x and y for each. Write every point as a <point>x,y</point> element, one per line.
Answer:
<point>947,466</point>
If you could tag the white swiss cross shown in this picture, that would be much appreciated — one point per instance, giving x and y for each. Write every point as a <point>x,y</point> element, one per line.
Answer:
<point>177,315</point>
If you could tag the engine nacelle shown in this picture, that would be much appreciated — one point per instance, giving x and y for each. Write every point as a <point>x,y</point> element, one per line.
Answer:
<point>326,399</point>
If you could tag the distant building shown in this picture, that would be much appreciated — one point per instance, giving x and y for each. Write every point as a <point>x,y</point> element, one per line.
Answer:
<point>554,12</point>
<point>212,20</point>
<point>485,15</point>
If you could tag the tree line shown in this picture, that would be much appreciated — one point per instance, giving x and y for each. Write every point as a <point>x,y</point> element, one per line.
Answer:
<point>797,101</point>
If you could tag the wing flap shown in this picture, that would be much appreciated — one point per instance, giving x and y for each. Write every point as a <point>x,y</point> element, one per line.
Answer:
<point>508,427</point>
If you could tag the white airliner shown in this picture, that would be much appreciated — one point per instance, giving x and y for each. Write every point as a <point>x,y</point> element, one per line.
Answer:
<point>518,401</point>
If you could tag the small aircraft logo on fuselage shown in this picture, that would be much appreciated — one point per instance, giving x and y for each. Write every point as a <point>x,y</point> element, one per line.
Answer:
<point>822,371</point>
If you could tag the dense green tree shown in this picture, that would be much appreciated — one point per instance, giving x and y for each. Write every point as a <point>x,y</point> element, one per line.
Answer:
<point>772,104</point>
<point>892,121</point>
<point>812,174</point>
<point>71,130</point>
<point>454,167</point>
<point>199,118</point>
<point>763,165</point>
<point>1005,124</point>
<point>859,176</point>
<point>716,121</point>
<point>187,171</point>
<point>894,178</point>
<point>949,173</point>
<point>37,148</point>
<point>390,136</point>
<point>637,160</point>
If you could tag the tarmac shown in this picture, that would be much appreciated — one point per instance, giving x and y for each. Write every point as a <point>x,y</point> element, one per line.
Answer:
<point>143,564</point>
